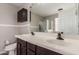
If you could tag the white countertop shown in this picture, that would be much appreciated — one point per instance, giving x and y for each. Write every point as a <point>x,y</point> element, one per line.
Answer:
<point>68,46</point>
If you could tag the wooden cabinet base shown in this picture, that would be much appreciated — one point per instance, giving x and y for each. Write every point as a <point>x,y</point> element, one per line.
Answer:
<point>21,47</point>
<point>44,51</point>
<point>25,48</point>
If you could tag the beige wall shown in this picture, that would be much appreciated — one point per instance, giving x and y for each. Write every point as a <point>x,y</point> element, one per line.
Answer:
<point>8,16</point>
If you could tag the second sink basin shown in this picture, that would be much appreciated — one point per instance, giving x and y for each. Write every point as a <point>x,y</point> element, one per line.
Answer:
<point>58,42</point>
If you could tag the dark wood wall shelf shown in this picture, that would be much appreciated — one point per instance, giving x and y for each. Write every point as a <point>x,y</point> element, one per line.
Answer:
<point>22,15</point>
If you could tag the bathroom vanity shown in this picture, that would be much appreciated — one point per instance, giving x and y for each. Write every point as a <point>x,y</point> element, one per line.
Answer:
<point>26,48</point>
<point>46,44</point>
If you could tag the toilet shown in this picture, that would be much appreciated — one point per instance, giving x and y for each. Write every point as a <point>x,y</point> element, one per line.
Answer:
<point>11,49</point>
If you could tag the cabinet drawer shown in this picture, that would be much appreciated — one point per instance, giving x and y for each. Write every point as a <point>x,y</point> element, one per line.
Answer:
<point>23,51</point>
<point>21,47</point>
<point>31,46</point>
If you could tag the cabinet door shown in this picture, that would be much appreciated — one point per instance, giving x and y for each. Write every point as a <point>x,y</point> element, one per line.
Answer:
<point>23,50</point>
<point>18,48</point>
<point>21,47</point>
<point>31,46</point>
<point>30,49</point>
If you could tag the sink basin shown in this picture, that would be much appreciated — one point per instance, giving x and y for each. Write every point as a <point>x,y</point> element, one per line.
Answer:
<point>58,42</point>
<point>65,43</point>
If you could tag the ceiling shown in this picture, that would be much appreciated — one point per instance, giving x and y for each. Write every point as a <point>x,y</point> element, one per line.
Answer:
<point>46,9</point>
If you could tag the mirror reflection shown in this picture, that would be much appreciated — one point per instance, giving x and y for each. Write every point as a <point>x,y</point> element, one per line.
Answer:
<point>55,17</point>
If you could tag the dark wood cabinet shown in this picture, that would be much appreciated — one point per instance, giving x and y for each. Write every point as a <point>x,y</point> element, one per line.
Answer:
<point>31,49</point>
<point>31,46</point>
<point>26,48</point>
<point>22,15</point>
<point>44,51</point>
<point>30,52</point>
<point>21,47</point>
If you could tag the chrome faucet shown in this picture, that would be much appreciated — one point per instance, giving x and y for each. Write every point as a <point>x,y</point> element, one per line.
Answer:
<point>59,36</point>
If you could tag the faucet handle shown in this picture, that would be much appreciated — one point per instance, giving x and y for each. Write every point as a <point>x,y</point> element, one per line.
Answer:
<point>61,32</point>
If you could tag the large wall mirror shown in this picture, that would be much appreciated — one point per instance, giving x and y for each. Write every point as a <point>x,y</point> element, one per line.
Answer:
<point>55,17</point>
